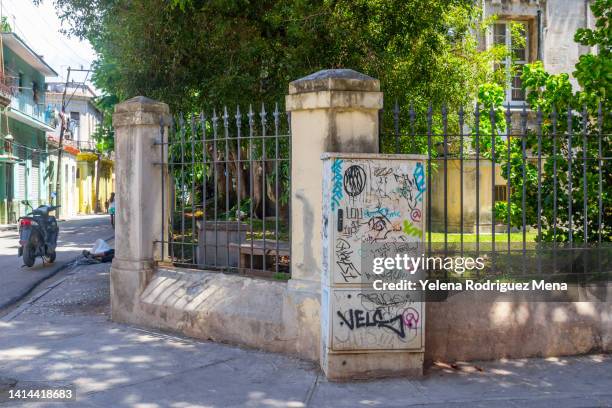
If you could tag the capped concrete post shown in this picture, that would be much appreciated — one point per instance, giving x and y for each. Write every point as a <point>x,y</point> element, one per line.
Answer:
<point>333,110</point>
<point>138,200</point>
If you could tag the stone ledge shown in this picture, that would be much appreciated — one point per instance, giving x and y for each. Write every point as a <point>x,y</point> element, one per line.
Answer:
<point>334,80</point>
<point>141,110</point>
<point>335,99</point>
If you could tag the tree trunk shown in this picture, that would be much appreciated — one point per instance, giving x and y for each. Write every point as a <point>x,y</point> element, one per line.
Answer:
<point>257,193</point>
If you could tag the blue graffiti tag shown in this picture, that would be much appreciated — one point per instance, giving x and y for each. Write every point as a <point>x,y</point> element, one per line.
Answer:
<point>337,187</point>
<point>419,178</point>
<point>385,212</point>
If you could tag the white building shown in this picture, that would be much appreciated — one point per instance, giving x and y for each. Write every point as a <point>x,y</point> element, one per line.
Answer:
<point>549,28</point>
<point>84,117</point>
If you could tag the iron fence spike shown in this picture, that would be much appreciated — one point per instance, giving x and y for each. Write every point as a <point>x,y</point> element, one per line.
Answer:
<point>225,117</point>
<point>238,118</point>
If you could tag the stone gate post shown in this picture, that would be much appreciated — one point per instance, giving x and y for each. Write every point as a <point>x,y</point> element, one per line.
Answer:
<point>138,196</point>
<point>332,110</point>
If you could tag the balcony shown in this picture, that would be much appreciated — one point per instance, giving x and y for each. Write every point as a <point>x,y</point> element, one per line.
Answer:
<point>86,145</point>
<point>25,109</point>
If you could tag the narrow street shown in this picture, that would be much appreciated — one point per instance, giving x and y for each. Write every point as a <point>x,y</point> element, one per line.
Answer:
<point>75,235</point>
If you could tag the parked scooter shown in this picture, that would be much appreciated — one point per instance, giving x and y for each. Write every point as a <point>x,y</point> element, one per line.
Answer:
<point>38,233</point>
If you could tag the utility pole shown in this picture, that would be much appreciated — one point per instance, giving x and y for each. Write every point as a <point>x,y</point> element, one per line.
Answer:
<point>58,173</point>
<point>58,180</point>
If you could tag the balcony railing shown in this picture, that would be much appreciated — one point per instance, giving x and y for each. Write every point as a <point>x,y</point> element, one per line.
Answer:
<point>23,102</point>
<point>85,145</point>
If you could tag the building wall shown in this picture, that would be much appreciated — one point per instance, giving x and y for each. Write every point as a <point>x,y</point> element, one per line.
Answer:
<point>14,65</point>
<point>563,18</point>
<point>69,188</point>
<point>559,21</point>
<point>87,187</point>
<point>29,144</point>
<point>89,116</point>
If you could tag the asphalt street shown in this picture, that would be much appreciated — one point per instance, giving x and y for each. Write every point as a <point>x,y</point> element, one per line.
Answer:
<point>75,235</point>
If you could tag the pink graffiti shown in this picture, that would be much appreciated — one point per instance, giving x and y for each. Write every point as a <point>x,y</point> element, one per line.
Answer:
<point>415,215</point>
<point>411,318</point>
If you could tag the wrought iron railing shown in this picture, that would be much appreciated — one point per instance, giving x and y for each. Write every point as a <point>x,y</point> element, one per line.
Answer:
<point>555,213</point>
<point>229,187</point>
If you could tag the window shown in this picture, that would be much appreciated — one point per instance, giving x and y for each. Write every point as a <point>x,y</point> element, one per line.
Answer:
<point>75,124</point>
<point>519,44</point>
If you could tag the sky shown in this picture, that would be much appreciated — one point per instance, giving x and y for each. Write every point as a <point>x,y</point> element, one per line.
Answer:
<point>39,27</point>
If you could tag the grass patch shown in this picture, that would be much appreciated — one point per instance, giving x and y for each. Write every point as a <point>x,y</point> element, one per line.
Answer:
<point>500,237</point>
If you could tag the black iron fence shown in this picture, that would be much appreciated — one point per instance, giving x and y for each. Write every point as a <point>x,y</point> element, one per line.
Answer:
<point>502,181</point>
<point>529,190</point>
<point>230,185</point>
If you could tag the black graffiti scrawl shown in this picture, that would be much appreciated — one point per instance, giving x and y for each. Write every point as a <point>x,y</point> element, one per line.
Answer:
<point>354,180</point>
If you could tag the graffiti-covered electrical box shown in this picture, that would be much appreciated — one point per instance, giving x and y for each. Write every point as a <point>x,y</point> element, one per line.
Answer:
<point>373,207</point>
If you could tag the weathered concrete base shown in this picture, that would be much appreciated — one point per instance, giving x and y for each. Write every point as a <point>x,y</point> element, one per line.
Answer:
<point>127,280</point>
<point>365,366</point>
<point>284,317</point>
<point>477,327</point>
<point>263,314</point>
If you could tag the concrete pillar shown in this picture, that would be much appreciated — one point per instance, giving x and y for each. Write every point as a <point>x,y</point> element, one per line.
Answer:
<point>138,196</point>
<point>333,110</point>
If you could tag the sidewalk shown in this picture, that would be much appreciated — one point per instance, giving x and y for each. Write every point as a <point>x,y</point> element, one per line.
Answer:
<point>65,337</point>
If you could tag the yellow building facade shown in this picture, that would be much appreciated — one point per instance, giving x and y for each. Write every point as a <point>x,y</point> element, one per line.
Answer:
<point>88,167</point>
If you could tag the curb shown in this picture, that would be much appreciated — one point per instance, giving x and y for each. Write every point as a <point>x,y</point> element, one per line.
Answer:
<point>33,286</point>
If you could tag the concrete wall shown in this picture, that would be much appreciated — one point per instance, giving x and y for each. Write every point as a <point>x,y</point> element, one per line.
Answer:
<point>479,327</point>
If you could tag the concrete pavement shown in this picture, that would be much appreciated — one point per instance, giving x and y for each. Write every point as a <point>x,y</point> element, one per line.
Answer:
<point>75,235</point>
<point>64,336</point>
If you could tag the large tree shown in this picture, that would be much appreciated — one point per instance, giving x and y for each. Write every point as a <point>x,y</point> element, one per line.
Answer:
<point>202,54</point>
<point>197,54</point>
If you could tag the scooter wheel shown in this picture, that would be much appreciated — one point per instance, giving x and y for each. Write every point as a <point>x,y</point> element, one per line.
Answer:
<point>28,256</point>
<point>50,257</point>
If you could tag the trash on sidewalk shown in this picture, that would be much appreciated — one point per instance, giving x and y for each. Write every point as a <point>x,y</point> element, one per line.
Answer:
<point>100,252</point>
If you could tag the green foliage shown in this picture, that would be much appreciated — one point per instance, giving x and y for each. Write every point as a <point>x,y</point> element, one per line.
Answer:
<point>194,54</point>
<point>104,134</point>
<point>491,98</point>
<point>5,27</point>
<point>552,97</point>
<point>594,71</point>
